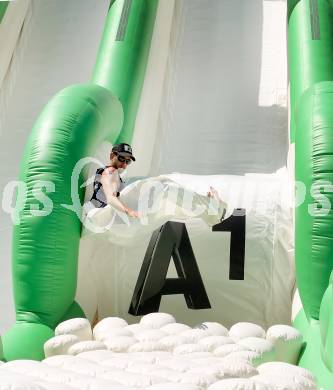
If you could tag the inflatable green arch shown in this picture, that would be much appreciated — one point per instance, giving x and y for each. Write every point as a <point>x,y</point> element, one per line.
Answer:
<point>79,118</point>
<point>71,126</point>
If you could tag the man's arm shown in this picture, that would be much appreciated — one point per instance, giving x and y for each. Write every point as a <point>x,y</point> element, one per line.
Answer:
<point>111,188</point>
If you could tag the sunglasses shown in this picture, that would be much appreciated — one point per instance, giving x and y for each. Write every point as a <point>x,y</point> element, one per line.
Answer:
<point>123,159</point>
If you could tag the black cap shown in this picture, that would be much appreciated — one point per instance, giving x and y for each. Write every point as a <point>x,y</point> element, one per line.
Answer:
<point>123,148</point>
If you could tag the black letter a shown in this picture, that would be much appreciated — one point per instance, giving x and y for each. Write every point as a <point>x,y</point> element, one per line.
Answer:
<point>171,240</point>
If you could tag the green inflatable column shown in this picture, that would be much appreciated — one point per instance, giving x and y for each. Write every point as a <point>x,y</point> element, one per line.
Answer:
<point>310,49</point>
<point>123,55</point>
<point>46,239</point>
<point>72,126</point>
<point>314,217</point>
<point>310,62</point>
<point>291,4</point>
<point>311,355</point>
<point>3,8</point>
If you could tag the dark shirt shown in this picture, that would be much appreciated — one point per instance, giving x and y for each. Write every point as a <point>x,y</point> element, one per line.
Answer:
<point>98,198</point>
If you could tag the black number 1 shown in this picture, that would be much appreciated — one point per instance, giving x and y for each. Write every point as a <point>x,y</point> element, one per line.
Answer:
<point>236,225</point>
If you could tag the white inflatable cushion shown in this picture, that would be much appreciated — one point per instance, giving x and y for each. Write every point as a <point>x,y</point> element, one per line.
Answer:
<point>120,343</point>
<point>206,369</point>
<point>131,379</point>
<point>142,368</point>
<point>151,335</point>
<point>136,328</point>
<point>85,346</point>
<point>10,381</point>
<point>179,363</point>
<point>114,332</point>
<point>117,363</point>
<point>83,375</point>
<point>252,357</point>
<point>264,347</point>
<point>214,328</point>
<point>157,320</point>
<point>42,371</point>
<point>306,383</point>
<point>70,375</point>
<point>77,365</point>
<point>238,384</point>
<point>201,355</point>
<point>53,386</point>
<point>149,362</point>
<point>208,360</point>
<point>96,356</point>
<point>278,367</point>
<point>172,386</point>
<point>200,380</point>
<point>175,328</point>
<point>285,382</point>
<point>98,384</point>
<point>146,346</point>
<point>167,374</point>
<point>230,368</point>
<point>171,342</point>
<point>59,345</point>
<point>152,356</point>
<point>16,381</point>
<point>189,349</point>
<point>107,324</point>
<point>242,330</point>
<point>59,360</point>
<point>68,371</point>
<point>80,327</point>
<point>213,342</point>
<point>194,335</point>
<point>78,374</point>
<point>24,367</point>
<point>288,342</point>
<point>226,349</point>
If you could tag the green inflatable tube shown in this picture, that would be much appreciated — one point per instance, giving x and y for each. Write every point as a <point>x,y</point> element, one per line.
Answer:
<point>310,49</point>
<point>46,241</point>
<point>290,7</point>
<point>311,62</point>
<point>3,8</point>
<point>314,218</point>
<point>71,127</point>
<point>123,54</point>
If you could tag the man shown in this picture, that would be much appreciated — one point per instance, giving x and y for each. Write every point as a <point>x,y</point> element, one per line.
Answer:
<point>108,183</point>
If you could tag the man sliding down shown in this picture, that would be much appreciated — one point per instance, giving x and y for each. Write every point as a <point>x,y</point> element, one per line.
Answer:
<point>108,183</point>
<point>149,203</point>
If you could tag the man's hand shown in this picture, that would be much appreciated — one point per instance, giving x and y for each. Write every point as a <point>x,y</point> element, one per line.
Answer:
<point>132,213</point>
<point>213,193</point>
